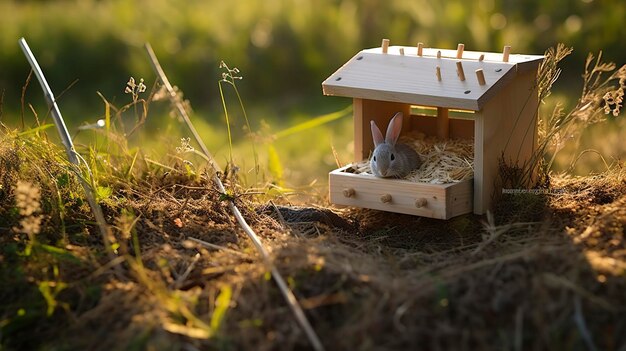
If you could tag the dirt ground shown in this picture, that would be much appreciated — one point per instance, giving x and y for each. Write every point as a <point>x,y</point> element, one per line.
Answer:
<point>545,272</point>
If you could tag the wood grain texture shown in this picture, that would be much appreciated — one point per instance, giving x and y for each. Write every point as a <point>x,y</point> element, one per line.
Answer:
<point>506,127</point>
<point>523,61</point>
<point>502,94</point>
<point>443,201</point>
<point>412,79</point>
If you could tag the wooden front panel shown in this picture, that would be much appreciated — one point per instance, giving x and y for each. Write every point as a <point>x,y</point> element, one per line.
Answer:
<point>441,201</point>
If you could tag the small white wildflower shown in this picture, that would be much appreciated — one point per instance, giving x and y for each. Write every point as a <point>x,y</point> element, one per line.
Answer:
<point>142,87</point>
<point>184,146</point>
<point>27,200</point>
<point>133,88</point>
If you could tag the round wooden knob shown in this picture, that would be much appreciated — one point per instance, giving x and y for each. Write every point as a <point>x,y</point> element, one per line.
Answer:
<point>348,192</point>
<point>386,198</point>
<point>421,202</point>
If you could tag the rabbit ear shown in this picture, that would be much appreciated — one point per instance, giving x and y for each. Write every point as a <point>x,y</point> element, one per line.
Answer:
<point>393,129</point>
<point>377,135</point>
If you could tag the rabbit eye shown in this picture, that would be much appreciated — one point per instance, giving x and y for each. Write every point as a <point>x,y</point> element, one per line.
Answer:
<point>393,157</point>
<point>374,158</point>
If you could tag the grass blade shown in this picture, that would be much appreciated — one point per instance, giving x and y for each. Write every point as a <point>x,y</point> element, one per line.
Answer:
<point>274,165</point>
<point>315,122</point>
<point>35,130</point>
<point>221,306</point>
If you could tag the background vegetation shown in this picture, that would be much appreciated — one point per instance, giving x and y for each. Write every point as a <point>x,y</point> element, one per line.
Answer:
<point>284,49</point>
<point>172,270</point>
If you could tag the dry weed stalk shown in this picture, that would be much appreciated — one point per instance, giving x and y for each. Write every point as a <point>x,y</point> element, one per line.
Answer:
<point>601,95</point>
<point>275,274</point>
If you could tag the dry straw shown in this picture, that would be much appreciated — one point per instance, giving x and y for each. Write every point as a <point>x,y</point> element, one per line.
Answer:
<point>443,161</point>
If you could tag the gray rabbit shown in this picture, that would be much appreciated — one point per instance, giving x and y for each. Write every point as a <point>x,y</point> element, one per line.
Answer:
<point>390,159</point>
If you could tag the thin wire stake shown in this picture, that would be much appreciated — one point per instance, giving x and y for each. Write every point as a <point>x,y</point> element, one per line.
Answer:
<point>278,278</point>
<point>72,155</point>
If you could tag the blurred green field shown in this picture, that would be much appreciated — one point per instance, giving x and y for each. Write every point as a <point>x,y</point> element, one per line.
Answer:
<point>63,289</point>
<point>284,48</point>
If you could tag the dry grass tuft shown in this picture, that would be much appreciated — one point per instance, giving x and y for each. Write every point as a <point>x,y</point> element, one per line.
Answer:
<point>602,94</point>
<point>367,279</point>
<point>545,271</point>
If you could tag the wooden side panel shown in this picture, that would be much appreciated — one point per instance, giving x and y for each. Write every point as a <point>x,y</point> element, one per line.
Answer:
<point>460,199</point>
<point>507,125</point>
<point>442,201</point>
<point>379,111</point>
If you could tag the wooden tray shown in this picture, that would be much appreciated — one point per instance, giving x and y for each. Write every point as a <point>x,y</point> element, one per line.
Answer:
<point>442,201</point>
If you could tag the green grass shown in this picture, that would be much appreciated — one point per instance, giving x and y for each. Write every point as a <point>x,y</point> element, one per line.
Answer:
<point>58,283</point>
<point>379,280</point>
<point>285,48</point>
<point>283,54</point>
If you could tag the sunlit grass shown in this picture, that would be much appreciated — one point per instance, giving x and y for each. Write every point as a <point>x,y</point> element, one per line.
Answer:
<point>158,195</point>
<point>255,127</point>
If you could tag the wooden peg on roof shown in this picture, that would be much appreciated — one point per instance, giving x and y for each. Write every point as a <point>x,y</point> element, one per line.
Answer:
<point>459,51</point>
<point>480,75</point>
<point>385,45</point>
<point>420,48</point>
<point>505,53</point>
<point>459,70</point>
<point>439,73</point>
<point>439,54</point>
<point>481,58</point>
<point>401,51</point>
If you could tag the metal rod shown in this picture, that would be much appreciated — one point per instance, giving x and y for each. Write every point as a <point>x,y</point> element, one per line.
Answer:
<point>52,104</point>
<point>69,147</point>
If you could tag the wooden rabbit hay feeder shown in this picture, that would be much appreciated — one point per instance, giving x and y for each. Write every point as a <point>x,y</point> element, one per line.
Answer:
<point>490,98</point>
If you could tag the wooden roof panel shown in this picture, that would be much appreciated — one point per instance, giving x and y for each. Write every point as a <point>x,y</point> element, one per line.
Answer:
<point>412,79</point>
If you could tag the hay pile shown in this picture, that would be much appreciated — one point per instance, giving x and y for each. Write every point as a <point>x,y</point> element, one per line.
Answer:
<point>545,272</point>
<point>443,161</point>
